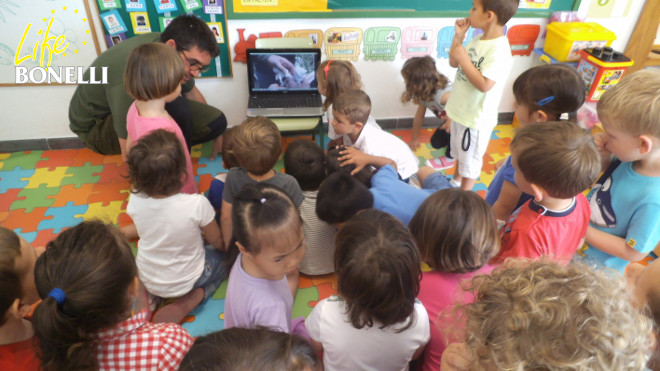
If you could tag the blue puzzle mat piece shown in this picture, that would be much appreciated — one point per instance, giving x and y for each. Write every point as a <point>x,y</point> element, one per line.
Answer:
<point>210,167</point>
<point>28,236</point>
<point>207,318</point>
<point>63,217</point>
<point>16,178</point>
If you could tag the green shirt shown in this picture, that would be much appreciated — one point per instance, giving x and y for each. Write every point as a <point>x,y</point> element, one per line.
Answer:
<point>93,103</point>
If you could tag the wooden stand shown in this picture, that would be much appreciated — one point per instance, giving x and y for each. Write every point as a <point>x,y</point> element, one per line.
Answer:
<point>640,46</point>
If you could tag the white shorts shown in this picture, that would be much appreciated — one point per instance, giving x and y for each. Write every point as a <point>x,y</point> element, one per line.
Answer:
<point>468,146</point>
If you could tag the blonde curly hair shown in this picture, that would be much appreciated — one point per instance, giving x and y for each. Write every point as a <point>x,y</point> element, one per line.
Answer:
<point>540,315</point>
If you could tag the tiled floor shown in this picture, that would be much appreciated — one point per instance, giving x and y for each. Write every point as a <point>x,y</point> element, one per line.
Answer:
<point>44,192</point>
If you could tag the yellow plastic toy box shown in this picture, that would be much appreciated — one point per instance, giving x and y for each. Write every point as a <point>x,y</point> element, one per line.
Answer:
<point>564,40</point>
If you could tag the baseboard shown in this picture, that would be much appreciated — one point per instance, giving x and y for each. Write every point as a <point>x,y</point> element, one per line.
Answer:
<point>7,146</point>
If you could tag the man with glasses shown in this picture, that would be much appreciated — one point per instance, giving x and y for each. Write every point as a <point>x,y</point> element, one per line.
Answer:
<point>97,113</point>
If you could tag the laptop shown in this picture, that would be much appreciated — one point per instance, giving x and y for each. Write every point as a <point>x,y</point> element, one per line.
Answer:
<point>282,82</point>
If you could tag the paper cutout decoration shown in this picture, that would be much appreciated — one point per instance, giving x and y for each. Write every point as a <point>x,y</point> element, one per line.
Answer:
<point>445,37</point>
<point>315,35</point>
<point>114,39</point>
<point>343,43</point>
<point>417,41</point>
<point>522,38</point>
<point>243,45</point>
<point>216,28</point>
<point>381,43</point>
<point>113,22</point>
<point>109,4</point>
<point>190,5</point>
<point>140,22</point>
<point>164,21</point>
<point>135,5</point>
<point>164,6</point>
<point>213,6</point>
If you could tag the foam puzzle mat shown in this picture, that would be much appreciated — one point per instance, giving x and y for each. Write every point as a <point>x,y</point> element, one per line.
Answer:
<point>45,192</point>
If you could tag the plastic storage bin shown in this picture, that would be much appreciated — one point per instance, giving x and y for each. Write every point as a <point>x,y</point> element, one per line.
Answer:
<point>601,69</point>
<point>564,40</point>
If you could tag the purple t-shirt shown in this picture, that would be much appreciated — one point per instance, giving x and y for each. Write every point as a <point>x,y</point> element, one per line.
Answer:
<point>252,302</point>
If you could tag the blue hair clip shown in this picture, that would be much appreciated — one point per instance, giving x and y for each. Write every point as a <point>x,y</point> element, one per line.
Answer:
<point>58,295</point>
<point>545,101</point>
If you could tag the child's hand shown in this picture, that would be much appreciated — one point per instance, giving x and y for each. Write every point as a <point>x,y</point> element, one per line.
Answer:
<point>353,156</point>
<point>458,53</point>
<point>414,143</point>
<point>460,27</point>
<point>601,140</point>
<point>446,126</point>
<point>457,357</point>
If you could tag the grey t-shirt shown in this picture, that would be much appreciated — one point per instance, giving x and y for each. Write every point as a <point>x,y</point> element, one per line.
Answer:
<point>238,177</point>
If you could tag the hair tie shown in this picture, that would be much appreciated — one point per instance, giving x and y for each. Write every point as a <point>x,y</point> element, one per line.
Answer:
<point>545,101</point>
<point>58,295</point>
<point>262,200</point>
<point>327,68</point>
<point>564,116</point>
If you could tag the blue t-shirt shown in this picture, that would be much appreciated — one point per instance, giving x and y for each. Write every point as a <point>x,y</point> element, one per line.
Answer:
<point>394,196</point>
<point>625,204</point>
<point>508,173</point>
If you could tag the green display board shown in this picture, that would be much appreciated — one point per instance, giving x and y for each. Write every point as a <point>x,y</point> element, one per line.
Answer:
<point>239,9</point>
<point>122,19</point>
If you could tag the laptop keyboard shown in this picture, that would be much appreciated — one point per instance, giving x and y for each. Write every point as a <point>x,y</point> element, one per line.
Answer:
<point>288,101</point>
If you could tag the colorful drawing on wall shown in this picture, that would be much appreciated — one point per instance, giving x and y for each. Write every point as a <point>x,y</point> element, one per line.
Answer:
<point>164,6</point>
<point>109,4</point>
<point>445,36</point>
<point>522,38</point>
<point>343,43</point>
<point>213,7</point>
<point>417,41</point>
<point>242,45</point>
<point>140,22</point>
<point>135,5</point>
<point>534,4</point>
<point>609,8</point>
<point>315,35</point>
<point>113,22</point>
<point>381,43</point>
<point>190,5</point>
<point>216,28</point>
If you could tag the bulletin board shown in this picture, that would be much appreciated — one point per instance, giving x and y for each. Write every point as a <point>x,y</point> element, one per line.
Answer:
<point>264,9</point>
<point>122,19</point>
<point>65,19</point>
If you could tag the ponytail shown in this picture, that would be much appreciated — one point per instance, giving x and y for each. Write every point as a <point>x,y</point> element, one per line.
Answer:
<point>93,267</point>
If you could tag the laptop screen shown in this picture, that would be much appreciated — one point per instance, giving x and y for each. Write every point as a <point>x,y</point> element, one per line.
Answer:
<point>283,70</point>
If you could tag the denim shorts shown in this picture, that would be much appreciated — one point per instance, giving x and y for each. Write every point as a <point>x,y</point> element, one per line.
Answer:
<point>214,271</point>
<point>436,182</point>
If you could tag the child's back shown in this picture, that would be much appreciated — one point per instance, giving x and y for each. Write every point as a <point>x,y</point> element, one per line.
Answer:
<point>555,162</point>
<point>456,234</point>
<point>305,161</point>
<point>376,323</point>
<point>625,202</point>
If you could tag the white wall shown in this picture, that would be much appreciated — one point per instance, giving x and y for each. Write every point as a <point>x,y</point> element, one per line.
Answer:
<point>41,111</point>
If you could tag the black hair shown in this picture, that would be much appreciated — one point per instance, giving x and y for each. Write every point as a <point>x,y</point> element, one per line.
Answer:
<point>340,197</point>
<point>332,165</point>
<point>305,161</point>
<point>189,31</point>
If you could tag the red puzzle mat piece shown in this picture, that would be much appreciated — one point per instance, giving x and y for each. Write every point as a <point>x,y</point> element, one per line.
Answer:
<point>114,172</point>
<point>69,193</point>
<point>59,158</point>
<point>28,222</point>
<point>112,191</point>
<point>86,155</point>
<point>8,197</point>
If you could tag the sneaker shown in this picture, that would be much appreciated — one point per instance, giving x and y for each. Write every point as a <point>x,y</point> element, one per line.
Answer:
<point>440,163</point>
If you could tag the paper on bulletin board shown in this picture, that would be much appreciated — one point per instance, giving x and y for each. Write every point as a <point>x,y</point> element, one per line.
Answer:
<point>272,6</point>
<point>534,4</point>
<point>609,8</point>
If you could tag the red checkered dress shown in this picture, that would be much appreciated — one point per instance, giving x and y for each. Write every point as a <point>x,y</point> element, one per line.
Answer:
<point>136,344</point>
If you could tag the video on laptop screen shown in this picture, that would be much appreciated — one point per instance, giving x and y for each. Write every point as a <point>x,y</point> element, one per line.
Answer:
<point>277,71</point>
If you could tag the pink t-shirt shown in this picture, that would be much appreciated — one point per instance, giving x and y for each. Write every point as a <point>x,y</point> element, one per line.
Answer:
<point>439,292</point>
<point>139,126</point>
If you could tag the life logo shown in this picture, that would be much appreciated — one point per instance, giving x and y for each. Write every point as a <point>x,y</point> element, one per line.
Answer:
<point>47,44</point>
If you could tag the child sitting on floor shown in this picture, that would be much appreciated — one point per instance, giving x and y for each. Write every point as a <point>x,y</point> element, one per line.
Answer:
<point>257,147</point>
<point>251,349</point>
<point>264,277</point>
<point>228,161</point>
<point>555,162</point>
<point>88,281</point>
<point>540,315</point>
<point>17,294</point>
<point>375,322</point>
<point>351,111</point>
<point>172,260</point>
<point>456,234</point>
<point>305,161</point>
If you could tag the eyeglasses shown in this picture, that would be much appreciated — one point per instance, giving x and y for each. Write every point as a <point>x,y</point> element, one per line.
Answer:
<point>195,66</point>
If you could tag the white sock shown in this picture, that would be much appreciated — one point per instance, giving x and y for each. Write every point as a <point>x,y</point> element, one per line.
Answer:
<point>454,183</point>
